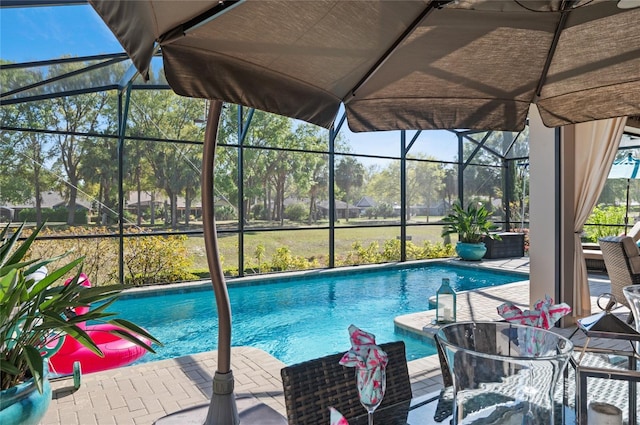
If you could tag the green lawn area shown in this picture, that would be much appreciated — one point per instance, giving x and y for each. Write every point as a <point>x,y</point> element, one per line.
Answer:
<point>307,243</point>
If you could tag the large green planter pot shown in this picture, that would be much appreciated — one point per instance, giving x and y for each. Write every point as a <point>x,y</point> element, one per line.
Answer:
<point>471,251</point>
<point>23,404</point>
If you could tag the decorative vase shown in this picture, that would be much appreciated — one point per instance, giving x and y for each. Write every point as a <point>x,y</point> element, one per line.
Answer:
<point>23,404</point>
<point>471,251</point>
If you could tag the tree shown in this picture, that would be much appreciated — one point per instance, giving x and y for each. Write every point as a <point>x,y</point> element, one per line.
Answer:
<point>23,172</point>
<point>311,175</point>
<point>226,166</point>
<point>449,189</point>
<point>384,184</point>
<point>175,166</point>
<point>482,175</point>
<point>349,175</point>
<point>429,181</point>
<point>266,171</point>
<point>99,165</point>
<point>73,117</point>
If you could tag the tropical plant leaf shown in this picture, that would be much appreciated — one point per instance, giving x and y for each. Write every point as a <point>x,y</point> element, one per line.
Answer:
<point>8,368</point>
<point>56,322</point>
<point>6,283</point>
<point>8,244</point>
<point>32,314</point>
<point>15,266</point>
<point>125,324</point>
<point>54,276</point>
<point>131,338</point>
<point>97,294</point>
<point>101,308</point>
<point>471,224</point>
<point>35,362</point>
<point>40,263</point>
<point>22,250</point>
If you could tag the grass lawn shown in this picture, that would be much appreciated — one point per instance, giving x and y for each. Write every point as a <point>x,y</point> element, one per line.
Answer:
<point>307,243</point>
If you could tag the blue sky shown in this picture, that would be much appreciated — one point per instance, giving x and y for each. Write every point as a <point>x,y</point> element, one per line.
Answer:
<point>42,33</point>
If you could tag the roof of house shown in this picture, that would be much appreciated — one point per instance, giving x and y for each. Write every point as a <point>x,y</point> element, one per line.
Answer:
<point>51,199</point>
<point>366,202</point>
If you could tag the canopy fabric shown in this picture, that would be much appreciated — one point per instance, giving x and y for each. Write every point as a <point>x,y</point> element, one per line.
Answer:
<point>414,64</point>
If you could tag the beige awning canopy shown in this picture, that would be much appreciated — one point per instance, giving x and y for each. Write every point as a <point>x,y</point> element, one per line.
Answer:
<point>395,64</point>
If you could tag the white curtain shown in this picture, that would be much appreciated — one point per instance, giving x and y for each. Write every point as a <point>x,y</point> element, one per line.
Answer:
<point>596,144</point>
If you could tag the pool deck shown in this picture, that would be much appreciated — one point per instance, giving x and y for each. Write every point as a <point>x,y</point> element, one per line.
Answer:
<point>145,393</point>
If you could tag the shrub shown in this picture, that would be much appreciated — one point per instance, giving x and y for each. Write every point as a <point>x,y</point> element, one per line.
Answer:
<point>430,250</point>
<point>53,215</point>
<point>384,210</point>
<point>156,259</point>
<point>361,255</point>
<point>296,212</point>
<point>391,252</point>
<point>283,260</point>
<point>259,253</point>
<point>100,253</point>
<point>597,223</point>
<point>225,212</point>
<point>259,212</point>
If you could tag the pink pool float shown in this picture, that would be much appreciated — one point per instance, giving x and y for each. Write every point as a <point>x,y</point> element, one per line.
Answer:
<point>117,351</point>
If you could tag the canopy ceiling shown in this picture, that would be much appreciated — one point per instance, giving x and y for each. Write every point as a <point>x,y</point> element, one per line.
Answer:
<point>415,64</point>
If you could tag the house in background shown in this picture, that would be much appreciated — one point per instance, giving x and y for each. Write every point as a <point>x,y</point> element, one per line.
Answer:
<point>341,209</point>
<point>149,204</point>
<point>49,199</point>
<point>6,214</point>
<point>365,204</point>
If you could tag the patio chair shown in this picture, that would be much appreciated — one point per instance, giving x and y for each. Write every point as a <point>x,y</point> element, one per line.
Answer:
<point>593,254</point>
<point>311,387</point>
<point>634,232</point>
<point>622,259</point>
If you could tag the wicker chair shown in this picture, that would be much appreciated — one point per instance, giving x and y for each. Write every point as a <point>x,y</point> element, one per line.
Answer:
<point>622,258</point>
<point>311,387</point>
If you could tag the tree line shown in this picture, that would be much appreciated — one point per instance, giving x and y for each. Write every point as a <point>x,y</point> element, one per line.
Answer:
<point>72,148</point>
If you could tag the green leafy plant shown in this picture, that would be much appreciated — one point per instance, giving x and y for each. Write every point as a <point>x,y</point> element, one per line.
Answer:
<point>284,260</point>
<point>601,222</point>
<point>156,259</point>
<point>36,314</point>
<point>471,225</point>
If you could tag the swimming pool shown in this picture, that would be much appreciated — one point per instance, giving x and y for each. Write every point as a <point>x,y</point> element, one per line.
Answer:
<point>300,318</point>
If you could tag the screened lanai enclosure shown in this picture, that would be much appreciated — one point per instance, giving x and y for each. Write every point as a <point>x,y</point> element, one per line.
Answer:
<point>109,165</point>
<point>112,165</point>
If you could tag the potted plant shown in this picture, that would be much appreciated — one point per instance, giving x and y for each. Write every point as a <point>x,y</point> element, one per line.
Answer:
<point>472,225</point>
<point>34,316</point>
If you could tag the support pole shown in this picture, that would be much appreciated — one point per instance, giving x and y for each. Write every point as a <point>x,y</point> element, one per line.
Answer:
<point>123,113</point>
<point>626,211</point>
<point>403,195</point>
<point>222,409</point>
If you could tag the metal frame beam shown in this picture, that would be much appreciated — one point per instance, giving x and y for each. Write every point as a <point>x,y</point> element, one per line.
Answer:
<point>41,3</point>
<point>333,133</point>
<point>243,130</point>
<point>123,112</point>
<point>62,77</point>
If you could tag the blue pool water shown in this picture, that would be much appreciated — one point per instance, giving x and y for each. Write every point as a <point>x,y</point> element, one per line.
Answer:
<point>303,318</point>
